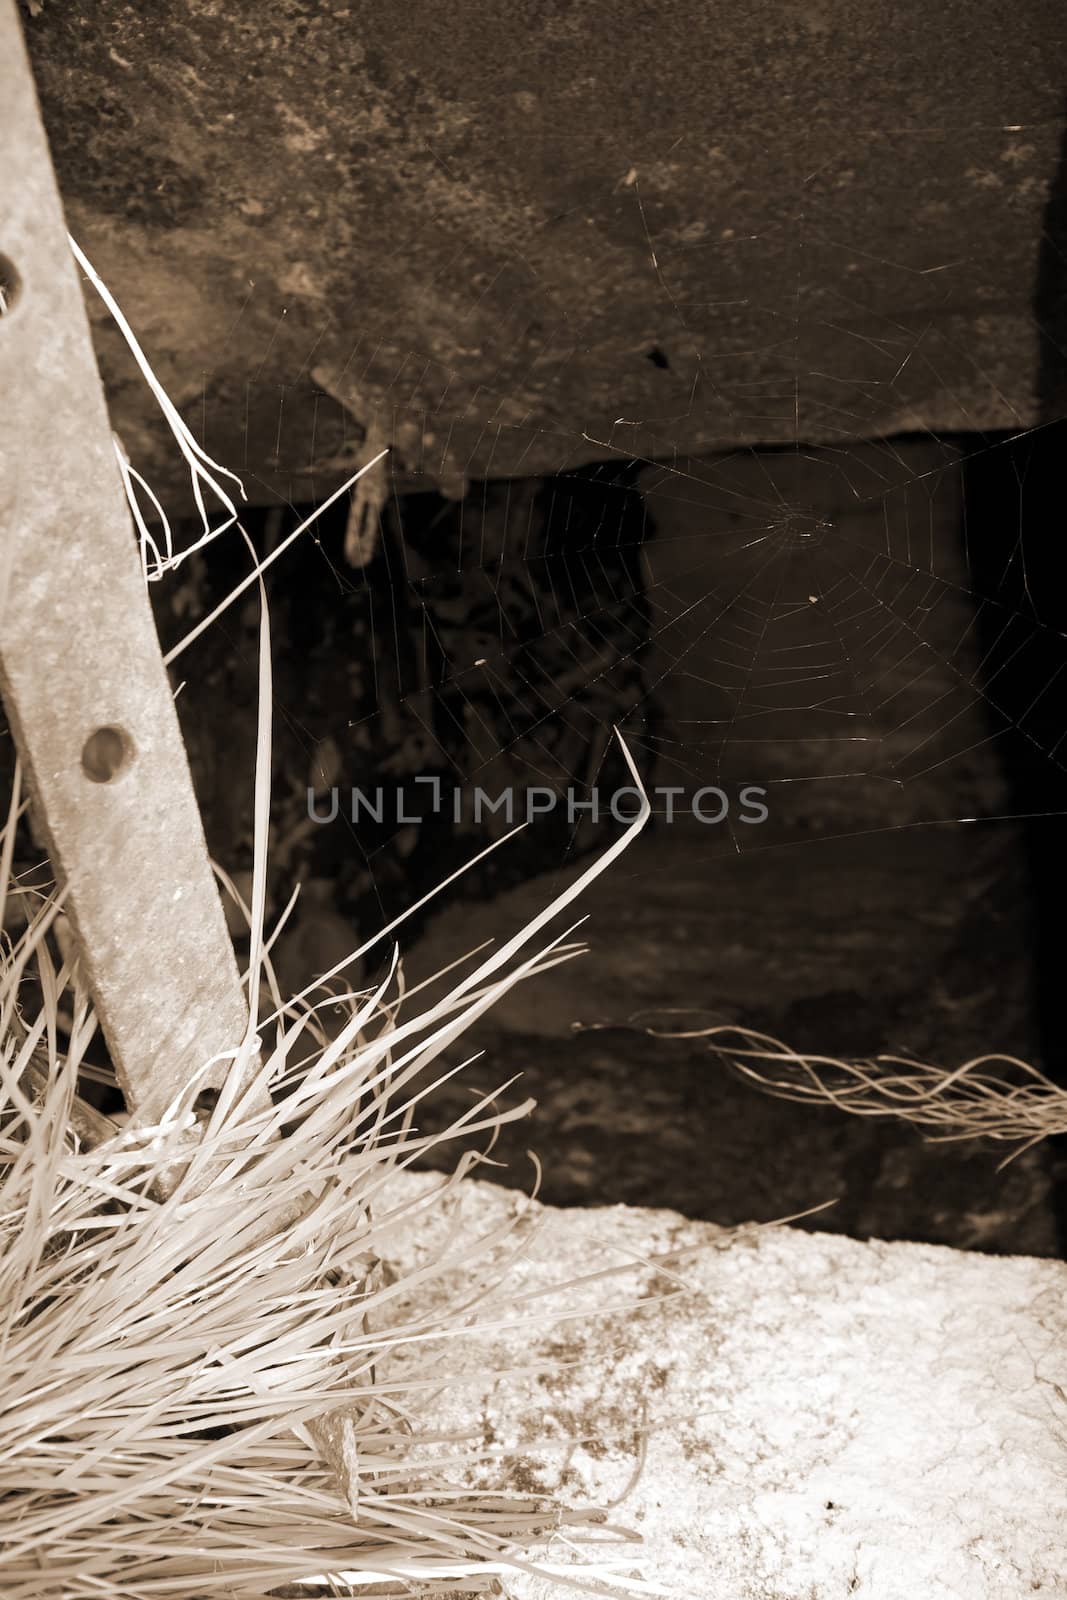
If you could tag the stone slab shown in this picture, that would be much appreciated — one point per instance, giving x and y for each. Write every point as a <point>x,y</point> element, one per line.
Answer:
<point>811,1417</point>
<point>511,239</point>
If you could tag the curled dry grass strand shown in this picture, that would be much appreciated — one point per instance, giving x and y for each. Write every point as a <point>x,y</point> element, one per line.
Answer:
<point>992,1096</point>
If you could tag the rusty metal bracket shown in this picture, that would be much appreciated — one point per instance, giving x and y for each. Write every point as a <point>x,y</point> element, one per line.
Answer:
<point>81,673</point>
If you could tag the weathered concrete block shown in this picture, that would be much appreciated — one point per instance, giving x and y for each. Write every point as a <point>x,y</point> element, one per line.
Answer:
<point>516,238</point>
<point>812,1417</point>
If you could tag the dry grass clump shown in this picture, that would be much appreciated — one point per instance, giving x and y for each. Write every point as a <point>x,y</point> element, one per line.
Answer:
<point>168,1360</point>
<point>195,1318</point>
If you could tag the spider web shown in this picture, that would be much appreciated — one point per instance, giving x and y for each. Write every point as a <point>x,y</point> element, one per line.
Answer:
<point>837,617</point>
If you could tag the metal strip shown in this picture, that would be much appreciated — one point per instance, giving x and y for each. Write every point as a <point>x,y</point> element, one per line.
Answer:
<point>79,654</point>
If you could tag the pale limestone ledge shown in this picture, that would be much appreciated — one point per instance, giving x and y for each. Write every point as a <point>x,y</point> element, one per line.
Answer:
<point>825,1418</point>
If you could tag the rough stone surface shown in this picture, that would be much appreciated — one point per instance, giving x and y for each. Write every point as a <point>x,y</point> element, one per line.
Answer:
<point>511,239</point>
<point>813,1417</point>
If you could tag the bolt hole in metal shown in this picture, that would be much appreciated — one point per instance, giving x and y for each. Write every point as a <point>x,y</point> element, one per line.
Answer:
<point>10,286</point>
<point>205,1103</point>
<point>106,754</point>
